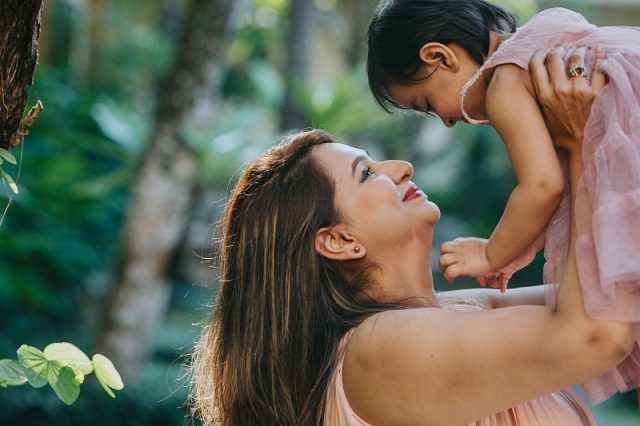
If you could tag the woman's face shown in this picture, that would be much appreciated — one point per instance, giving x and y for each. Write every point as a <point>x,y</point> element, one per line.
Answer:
<point>383,209</point>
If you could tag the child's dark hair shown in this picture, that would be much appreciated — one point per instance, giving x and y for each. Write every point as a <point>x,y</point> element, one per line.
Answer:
<point>401,27</point>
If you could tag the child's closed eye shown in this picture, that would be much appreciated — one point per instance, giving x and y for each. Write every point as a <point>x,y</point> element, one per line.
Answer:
<point>424,109</point>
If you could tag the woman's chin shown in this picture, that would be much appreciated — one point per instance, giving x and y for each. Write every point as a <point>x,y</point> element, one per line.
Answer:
<point>432,213</point>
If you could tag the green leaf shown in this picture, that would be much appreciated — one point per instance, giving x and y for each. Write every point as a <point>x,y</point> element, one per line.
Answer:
<point>69,355</point>
<point>7,156</point>
<point>107,374</point>
<point>11,373</point>
<point>64,382</point>
<point>34,364</point>
<point>10,181</point>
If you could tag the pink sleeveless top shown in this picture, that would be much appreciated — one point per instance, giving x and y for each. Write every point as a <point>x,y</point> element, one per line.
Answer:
<point>557,409</point>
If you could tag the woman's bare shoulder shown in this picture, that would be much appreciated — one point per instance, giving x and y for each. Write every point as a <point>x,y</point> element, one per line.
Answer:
<point>402,364</point>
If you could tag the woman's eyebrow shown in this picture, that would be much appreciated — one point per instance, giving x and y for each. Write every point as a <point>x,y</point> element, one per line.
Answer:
<point>358,159</point>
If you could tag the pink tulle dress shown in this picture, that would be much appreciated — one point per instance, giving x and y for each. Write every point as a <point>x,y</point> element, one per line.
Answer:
<point>557,409</point>
<point>608,198</point>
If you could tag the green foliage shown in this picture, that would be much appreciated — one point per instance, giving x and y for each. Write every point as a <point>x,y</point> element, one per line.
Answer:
<point>106,373</point>
<point>158,399</point>
<point>62,366</point>
<point>11,374</point>
<point>9,158</point>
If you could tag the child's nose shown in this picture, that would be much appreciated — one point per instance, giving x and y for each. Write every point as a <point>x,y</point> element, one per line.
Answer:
<point>449,122</point>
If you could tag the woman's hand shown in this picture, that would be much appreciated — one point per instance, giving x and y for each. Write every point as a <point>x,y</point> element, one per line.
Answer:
<point>565,101</point>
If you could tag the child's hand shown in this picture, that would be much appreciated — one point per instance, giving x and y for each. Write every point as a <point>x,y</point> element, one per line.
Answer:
<point>495,281</point>
<point>464,257</point>
<point>502,277</point>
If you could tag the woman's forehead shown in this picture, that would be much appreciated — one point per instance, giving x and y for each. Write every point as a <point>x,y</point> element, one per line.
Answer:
<point>339,152</point>
<point>339,159</point>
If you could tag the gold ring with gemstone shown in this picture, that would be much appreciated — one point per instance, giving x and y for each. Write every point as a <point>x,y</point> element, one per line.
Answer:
<point>578,71</point>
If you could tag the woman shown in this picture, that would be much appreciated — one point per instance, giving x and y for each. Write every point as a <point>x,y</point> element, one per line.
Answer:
<point>326,312</point>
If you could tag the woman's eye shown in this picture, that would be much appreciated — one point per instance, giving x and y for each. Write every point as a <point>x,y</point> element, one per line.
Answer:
<point>366,172</point>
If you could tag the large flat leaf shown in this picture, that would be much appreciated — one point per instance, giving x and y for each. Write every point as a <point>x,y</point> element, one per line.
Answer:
<point>34,364</point>
<point>64,382</point>
<point>107,374</point>
<point>11,373</point>
<point>69,354</point>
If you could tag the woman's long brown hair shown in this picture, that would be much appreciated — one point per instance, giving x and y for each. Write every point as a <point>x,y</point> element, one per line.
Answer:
<point>267,354</point>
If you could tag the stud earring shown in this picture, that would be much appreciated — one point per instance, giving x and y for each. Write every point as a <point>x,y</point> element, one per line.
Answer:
<point>356,249</point>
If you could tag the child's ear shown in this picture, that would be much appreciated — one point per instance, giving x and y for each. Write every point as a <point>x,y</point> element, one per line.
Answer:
<point>337,244</point>
<point>437,54</point>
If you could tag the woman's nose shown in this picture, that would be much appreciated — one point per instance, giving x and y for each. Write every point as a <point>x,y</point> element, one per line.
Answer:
<point>400,171</point>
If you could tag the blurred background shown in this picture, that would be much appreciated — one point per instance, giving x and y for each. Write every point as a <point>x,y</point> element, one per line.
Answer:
<point>151,107</point>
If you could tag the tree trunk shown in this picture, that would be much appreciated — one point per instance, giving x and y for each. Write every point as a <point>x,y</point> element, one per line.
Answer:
<point>358,12</point>
<point>161,196</point>
<point>297,67</point>
<point>19,33</point>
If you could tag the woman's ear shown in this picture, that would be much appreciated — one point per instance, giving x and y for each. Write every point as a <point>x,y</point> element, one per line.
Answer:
<point>337,244</point>
<point>437,54</point>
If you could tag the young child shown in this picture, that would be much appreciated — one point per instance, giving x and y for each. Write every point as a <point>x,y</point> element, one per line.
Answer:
<point>464,60</point>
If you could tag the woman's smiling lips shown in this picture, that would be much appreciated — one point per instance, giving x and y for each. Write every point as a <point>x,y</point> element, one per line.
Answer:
<point>413,192</point>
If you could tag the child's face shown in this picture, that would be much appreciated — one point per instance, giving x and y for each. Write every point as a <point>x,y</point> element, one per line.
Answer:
<point>437,90</point>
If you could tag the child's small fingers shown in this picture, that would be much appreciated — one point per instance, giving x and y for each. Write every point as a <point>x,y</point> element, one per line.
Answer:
<point>451,273</point>
<point>447,247</point>
<point>447,259</point>
<point>495,284</point>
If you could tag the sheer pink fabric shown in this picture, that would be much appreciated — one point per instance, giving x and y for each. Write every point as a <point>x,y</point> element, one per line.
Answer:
<point>608,199</point>
<point>558,409</point>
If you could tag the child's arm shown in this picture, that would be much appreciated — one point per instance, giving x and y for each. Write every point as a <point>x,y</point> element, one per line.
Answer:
<point>501,278</point>
<point>514,113</point>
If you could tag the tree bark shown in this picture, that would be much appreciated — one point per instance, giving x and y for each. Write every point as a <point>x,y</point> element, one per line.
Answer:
<point>297,67</point>
<point>161,196</point>
<point>19,33</point>
<point>358,12</point>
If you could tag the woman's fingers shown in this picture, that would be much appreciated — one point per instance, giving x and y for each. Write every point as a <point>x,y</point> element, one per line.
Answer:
<point>598,78</point>
<point>576,58</point>
<point>556,67</point>
<point>539,74</point>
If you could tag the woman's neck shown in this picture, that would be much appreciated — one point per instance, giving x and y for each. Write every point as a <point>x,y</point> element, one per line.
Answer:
<point>406,276</point>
